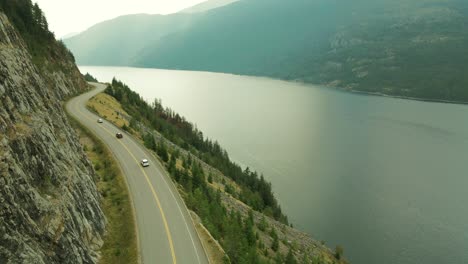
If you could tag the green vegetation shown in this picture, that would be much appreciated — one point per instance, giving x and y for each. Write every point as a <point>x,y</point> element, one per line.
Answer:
<point>339,252</point>
<point>120,242</point>
<point>245,235</point>
<point>275,244</point>
<point>97,46</point>
<point>89,78</point>
<point>405,48</point>
<point>255,190</point>
<point>397,47</point>
<point>237,234</point>
<point>30,21</point>
<point>290,258</point>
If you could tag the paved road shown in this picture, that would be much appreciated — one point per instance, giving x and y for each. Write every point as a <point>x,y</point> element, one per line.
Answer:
<point>165,230</point>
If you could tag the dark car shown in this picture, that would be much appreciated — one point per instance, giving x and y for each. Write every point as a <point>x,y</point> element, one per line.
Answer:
<point>119,135</point>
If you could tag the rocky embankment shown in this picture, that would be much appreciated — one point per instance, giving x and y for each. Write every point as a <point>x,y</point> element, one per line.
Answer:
<point>49,203</point>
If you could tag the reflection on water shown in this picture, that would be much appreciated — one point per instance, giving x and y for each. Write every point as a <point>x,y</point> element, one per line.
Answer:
<point>386,178</point>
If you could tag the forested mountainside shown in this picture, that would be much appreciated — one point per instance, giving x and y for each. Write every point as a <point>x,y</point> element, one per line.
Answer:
<point>404,48</point>
<point>50,207</point>
<point>117,41</point>
<point>207,5</point>
<point>237,206</point>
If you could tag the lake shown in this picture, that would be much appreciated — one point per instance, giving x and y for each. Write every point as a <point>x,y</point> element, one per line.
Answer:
<point>385,178</point>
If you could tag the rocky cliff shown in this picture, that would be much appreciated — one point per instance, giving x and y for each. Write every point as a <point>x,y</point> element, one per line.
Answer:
<point>49,203</point>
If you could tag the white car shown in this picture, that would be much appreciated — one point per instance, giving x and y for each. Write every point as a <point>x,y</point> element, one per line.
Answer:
<point>99,120</point>
<point>144,163</point>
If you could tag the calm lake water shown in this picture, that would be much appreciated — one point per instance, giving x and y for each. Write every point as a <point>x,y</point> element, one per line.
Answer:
<point>385,178</point>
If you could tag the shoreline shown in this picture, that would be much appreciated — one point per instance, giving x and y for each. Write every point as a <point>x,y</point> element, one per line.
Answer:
<point>299,81</point>
<point>402,97</point>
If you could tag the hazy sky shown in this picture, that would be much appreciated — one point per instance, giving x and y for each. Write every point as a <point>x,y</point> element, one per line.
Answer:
<point>67,16</point>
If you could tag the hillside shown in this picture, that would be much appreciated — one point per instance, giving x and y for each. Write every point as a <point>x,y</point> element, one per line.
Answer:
<point>236,205</point>
<point>207,5</point>
<point>117,41</point>
<point>49,213</point>
<point>405,48</point>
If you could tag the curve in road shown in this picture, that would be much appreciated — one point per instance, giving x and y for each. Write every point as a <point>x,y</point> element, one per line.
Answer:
<point>165,230</point>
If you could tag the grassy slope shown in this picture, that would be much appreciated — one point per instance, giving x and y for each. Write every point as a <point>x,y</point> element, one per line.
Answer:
<point>305,249</point>
<point>107,107</point>
<point>120,241</point>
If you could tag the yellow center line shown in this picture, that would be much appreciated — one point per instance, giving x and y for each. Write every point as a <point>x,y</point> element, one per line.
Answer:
<point>163,216</point>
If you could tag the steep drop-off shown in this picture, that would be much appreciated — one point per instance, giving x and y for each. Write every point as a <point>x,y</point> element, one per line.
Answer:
<point>49,204</point>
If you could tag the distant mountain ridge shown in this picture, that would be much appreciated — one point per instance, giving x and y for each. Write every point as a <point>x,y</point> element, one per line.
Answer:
<point>207,5</point>
<point>119,40</point>
<point>404,48</point>
<point>116,41</point>
<point>69,35</point>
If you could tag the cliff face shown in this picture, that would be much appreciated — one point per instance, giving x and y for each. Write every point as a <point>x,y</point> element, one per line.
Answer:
<point>49,203</point>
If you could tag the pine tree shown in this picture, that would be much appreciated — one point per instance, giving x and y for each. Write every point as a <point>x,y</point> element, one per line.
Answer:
<point>290,259</point>
<point>275,243</point>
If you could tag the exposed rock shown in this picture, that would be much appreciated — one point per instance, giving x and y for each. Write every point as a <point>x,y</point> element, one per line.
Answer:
<point>49,203</point>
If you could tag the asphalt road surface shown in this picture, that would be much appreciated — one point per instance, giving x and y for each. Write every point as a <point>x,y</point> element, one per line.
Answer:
<point>166,233</point>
